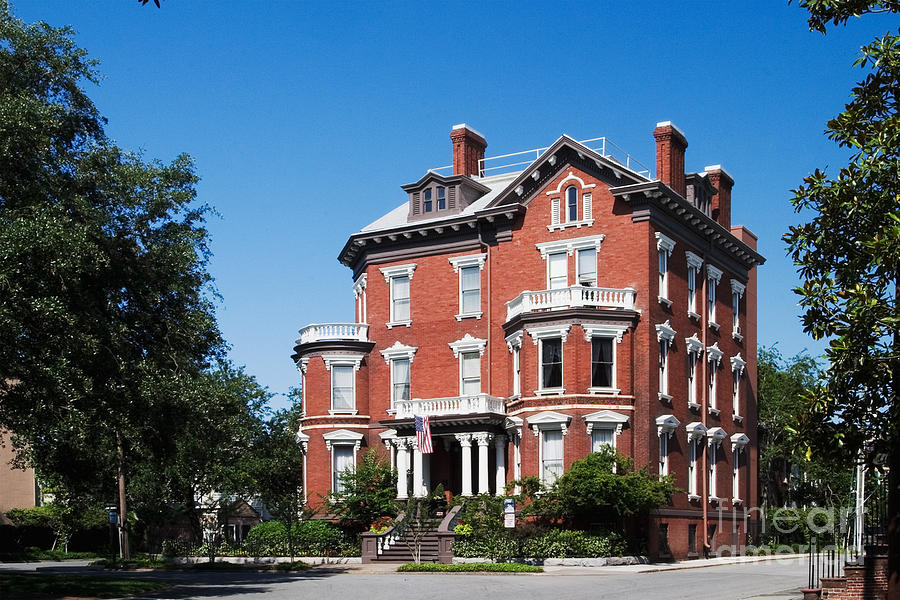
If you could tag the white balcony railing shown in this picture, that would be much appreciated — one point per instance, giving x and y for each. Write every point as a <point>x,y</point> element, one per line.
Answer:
<point>321,332</point>
<point>456,405</point>
<point>571,297</point>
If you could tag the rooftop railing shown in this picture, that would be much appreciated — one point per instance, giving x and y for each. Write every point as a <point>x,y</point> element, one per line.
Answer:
<point>575,296</point>
<point>455,405</point>
<point>325,332</point>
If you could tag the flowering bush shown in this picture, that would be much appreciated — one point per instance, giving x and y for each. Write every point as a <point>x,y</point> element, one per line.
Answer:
<point>381,524</point>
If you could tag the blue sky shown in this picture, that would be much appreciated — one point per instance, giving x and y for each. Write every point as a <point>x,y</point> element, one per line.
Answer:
<point>306,118</point>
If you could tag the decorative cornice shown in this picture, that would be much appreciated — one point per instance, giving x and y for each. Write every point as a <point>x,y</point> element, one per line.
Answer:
<point>693,260</point>
<point>398,270</point>
<point>548,332</point>
<point>613,331</point>
<point>666,424</point>
<point>737,287</point>
<point>468,344</point>
<point>664,332</point>
<point>570,245</point>
<point>607,418</point>
<point>694,345</point>
<point>664,243</point>
<point>470,260</point>
<point>399,350</point>
<point>713,273</point>
<point>342,360</point>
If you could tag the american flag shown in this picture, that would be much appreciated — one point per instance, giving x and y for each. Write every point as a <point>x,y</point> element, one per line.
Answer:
<point>423,435</point>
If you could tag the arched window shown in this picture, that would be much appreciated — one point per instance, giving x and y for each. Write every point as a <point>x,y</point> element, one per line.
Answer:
<point>571,204</point>
<point>441,197</point>
<point>426,200</point>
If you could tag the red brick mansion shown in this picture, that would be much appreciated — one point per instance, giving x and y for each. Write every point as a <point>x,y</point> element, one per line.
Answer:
<point>536,307</point>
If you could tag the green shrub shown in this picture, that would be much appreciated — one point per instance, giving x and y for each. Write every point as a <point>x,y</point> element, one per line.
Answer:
<point>470,567</point>
<point>553,543</point>
<point>310,538</point>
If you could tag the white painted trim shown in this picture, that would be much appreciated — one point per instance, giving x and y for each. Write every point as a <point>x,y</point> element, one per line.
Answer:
<point>564,225</point>
<point>608,330</point>
<point>342,360</point>
<point>664,243</point>
<point>569,246</point>
<point>570,177</point>
<point>399,350</point>
<point>605,418</point>
<point>666,424</point>
<point>694,345</point>
<point>359,286</point>
<point>696,430</point>
<point>398,270</point>
<point>470,260</point>
<point>665,332</point>
<point>514,340</point>
<point>739,441</point>
<point>715,436</point>
<point>549,332</point>
<point>738,363</point>
<point>693,260</point>
<point>343,437</point>
<point>737,287</point>
<point>713,354</point>
<point>549,420</point>
<point>713,273</point>
<point>468,344</point>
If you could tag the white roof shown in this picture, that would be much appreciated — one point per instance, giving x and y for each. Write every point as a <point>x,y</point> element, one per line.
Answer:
<point>398,216</point>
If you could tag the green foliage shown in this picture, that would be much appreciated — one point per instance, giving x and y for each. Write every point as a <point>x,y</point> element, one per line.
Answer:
<point>369,492</point>
<point>469,568</point>
<point>848,254</point>
<point>530,542</point>
<point>838,12</point>
<point>310,538</point>
<point>63,520</point>
<point>592,490</point>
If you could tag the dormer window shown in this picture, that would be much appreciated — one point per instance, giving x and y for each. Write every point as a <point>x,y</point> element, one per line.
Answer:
<point>426,200</point>
<point>441,197</point>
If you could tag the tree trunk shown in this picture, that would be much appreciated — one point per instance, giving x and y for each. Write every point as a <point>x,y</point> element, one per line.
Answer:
<point>123,508</point>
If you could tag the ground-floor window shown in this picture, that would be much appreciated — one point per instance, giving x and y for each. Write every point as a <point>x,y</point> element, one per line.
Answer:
<point>551,455</point>
<point>342,460</point>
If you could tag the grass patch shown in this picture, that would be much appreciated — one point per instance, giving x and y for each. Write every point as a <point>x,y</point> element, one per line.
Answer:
<point>120,564</point>
<point>470,568</point>
<point>227,566</point>
<point>40,585</point>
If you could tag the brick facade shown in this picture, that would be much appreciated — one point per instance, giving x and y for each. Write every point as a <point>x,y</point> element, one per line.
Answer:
<point>564,257</point>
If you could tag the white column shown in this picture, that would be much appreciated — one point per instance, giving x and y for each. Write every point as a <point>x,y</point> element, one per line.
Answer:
<point>465,441</point>
<point>402,468</point>
<point>483,438</point>
<point>499,464</point>
<point>417,470</point>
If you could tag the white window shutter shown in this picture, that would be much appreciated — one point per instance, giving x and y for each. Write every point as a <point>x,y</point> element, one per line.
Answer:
<point>554,211</point>
<point>587,209</point>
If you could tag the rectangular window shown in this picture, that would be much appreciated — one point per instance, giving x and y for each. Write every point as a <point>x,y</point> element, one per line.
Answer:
<point>517,371</point>
<point>587,267</point>
<point>602,363</point>
<point>663,454</point>
<point>712,471</point>
<point>426,201</point>
<point>735,313</point>
<point>602,437</point>
<point>571,204</point>
<point>664,367</point>
<point>341,461</point>
<point>399,380</point>
<point>470,289</point>
<point>551,455</point>
<point>441,197</point>
<point>736,475</point>
<point>692,289</point>
<point>736,393</point>
<point>692,539</point>
<point>342,377</point>
<point>711,295</point>
<point>692,378</point>
<point>400,299</point>
<point>692,467</point>
<point>551,363</point>
<point>558,270</point>
<point>470,365</point>
<point>663,274</point>
<point>712,384</point>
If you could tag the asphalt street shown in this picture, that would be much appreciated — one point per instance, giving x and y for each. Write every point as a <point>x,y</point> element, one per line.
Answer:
<point>769,580</point>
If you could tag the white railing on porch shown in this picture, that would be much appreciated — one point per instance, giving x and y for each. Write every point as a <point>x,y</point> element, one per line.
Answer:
<point>320,332</point>
<point>456,405</point>
<point>570,297</point>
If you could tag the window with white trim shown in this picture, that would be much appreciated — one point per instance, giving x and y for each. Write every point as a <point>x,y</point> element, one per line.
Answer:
<point>587,267</point>
<point>664,246</point>
<point>343,396</point>
<point>665,335</point>
<point>602,436</point>
<point>469,268</point>
<point>551,455</point>
<point>441,197</point>
<point>342,460</point>
<point>665,427</point>
<point>557,271</point>
<point>694,263</point>
<point>736,475</point>
<point>603,362</point>
<point>711,486</point>
<point>398,278</point>
<point>399,380</point>
<point>426,200</point>
<point>713,276</point>
<point>603,427</point>
<point>737,372</point>
<point>694,351</point>
<point>737,291</point>
<point>714,358</point>
<point>693,456</point>
<point>663,454</point>
<point>470,373</point>
<point>514,344</point>
<point>550,368</point>
<point>571,204</point>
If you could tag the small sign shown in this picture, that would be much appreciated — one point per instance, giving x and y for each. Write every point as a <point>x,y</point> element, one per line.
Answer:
<point>509,520</point>
<point>113,517</point>
<point>509,506</point>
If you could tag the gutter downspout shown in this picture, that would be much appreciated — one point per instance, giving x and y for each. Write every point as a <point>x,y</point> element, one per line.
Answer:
<point>704,317</point>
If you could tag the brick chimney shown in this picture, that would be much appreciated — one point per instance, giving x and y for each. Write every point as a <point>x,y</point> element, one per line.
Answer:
<point>670,147</point>
<point>721,200</point>
<point>468,149</point>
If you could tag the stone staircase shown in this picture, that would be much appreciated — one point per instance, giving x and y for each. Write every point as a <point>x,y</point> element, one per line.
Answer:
<point>400,549</point>
<point>397,543</point>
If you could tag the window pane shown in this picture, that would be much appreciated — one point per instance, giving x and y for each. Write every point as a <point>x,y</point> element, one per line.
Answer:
<point>587,267</point>
<point>559,276</point>
<point>471,373</point>
<point>572,204</point>
<point>600,438</point>
<point>400,296</point>
<point>470,278</point>
<point>342,388</point>
<point>601,362</point>
<point>552,455</point>
<point>401,380</point>
<point>551,363</point>
<point>343,461</point>
<point>427,200</point>
<point>441,198</point>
